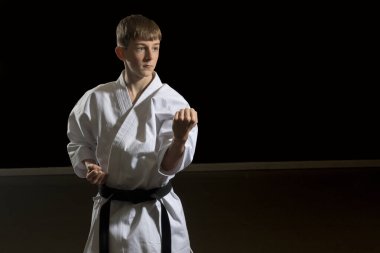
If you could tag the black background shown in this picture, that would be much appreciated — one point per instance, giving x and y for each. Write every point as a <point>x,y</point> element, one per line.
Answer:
<point>270,82</point>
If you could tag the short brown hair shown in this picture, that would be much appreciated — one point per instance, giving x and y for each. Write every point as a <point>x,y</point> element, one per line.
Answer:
<point>136,27</point>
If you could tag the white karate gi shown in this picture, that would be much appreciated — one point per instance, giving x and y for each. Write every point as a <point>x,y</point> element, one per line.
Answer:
<point>129,141</point>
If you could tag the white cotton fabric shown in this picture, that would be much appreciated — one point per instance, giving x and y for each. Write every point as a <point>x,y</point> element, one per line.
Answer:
<point>129,141</point>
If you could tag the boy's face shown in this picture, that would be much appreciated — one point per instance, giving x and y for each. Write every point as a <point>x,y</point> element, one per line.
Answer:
<point>142,56</point>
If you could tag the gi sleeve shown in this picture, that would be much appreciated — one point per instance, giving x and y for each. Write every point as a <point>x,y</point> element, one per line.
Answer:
<point>80,132</point>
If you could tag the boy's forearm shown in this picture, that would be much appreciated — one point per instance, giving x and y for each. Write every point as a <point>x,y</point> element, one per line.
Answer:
<point>173,155</point>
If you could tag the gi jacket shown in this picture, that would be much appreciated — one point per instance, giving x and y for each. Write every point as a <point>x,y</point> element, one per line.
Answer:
<point>129,141</point>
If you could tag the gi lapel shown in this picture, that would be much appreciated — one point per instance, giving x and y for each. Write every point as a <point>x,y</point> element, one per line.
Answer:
<point>127,132</point>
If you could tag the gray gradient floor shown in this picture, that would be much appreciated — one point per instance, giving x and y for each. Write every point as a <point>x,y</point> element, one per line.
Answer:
<point>265,211</point>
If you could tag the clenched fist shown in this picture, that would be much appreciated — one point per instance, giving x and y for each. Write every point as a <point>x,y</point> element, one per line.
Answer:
<point>95,174</point>
<point>184,120</point>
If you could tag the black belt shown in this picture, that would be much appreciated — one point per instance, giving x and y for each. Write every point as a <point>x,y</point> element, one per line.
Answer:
<point>134,196</point>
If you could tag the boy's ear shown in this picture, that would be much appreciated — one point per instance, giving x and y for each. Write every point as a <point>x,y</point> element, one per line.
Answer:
<point>120,53</point>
